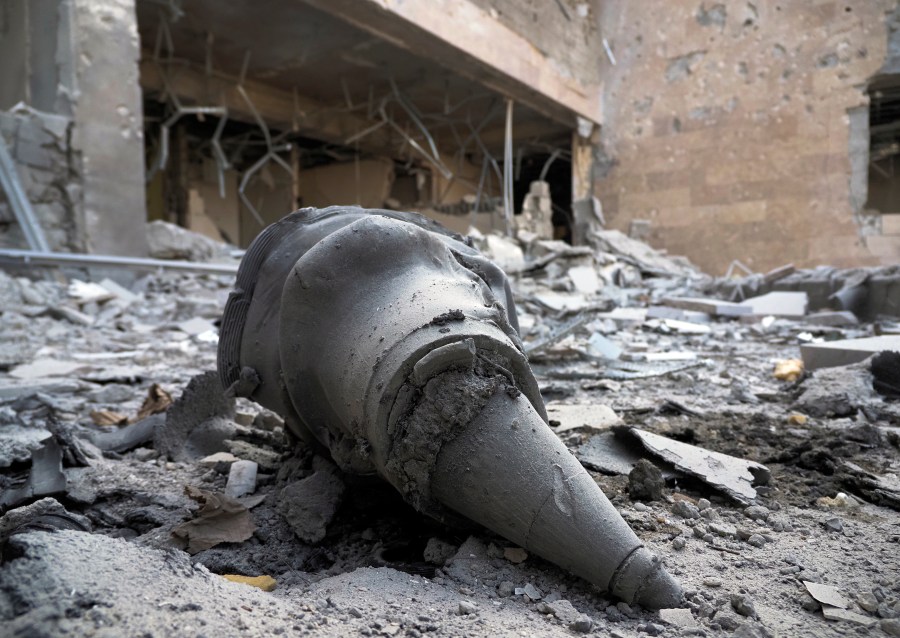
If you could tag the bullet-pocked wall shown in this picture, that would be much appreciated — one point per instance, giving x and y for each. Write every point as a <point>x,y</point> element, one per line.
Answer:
<point>740,130</point>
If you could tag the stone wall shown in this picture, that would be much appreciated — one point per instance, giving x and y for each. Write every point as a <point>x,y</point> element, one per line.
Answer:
<point>739,130</point>
<point>49,170</point>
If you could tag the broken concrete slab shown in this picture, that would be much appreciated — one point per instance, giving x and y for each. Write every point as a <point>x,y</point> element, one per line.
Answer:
<point>572,416</point>
<point>45,514</point>
<point>199,422</point>
<point>842,318</point>
<point>845,352</point>
<point>666,312</point>
<point>585,279</point>
<point>715,307</point>
<point>836,613</point>
<point>43,368</point>
<point>778,304</point>
<point>736,477</point>
<point>17,443</point>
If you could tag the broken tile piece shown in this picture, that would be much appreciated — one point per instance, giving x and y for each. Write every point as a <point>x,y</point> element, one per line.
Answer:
<point>730,474</point>
<point>826,594</point>
<point>831,354</point>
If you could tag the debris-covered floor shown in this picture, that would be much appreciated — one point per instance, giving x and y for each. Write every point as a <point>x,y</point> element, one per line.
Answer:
<point>166,485</point>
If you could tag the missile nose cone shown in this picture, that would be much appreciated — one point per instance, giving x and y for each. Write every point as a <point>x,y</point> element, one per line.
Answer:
<point>661,591</point>
<point>642,579</point>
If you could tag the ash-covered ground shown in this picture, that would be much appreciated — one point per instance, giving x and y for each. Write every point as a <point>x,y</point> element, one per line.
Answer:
<point>133,535</point>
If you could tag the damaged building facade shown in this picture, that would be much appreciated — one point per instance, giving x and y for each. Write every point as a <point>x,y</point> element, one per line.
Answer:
<point>716,124</point>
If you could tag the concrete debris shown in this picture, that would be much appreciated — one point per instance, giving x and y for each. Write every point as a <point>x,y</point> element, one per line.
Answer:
<point>714,307</point>
<point>645,482</point>
<point>837,391</point>
<point>678,617</point>
<point>736,477</point>
<point>565,417</point>
<point>778,304</point>
<point>837,613</point>
<point>168,241</point>
<point>885,368</point>
<point>310,504</point>
<point>832,354</point>
<point>199,422</point>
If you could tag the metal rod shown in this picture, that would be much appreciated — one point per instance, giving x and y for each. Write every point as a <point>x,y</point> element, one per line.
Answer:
<point>508,168</point>
<point>50,259</point>
<point>18,200</point>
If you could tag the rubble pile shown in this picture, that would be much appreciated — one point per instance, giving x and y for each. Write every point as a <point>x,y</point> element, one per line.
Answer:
<point>751,439</point>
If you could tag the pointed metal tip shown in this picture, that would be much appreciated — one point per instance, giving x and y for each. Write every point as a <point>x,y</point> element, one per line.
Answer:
<point>642,579</point>
<point>661,591</point>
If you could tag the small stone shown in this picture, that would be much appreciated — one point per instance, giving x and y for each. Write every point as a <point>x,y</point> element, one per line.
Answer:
<point>757,512</point>
<point>886,611</point>
<point>867,601</point>
<point>685,510</point>
<point>743,604</point>
<point>722,529</point>
<point>545,608</point>
<point>890,626</point>
<point>640,507</point>
<point>756,540</point>
<point>712,582</point>
<point>834,525</point>
<point>703,504</point>
<point>505,589</point>
<point>624,608</point>
<point>678,617</point>
<point>532,592</point>
<point>709,514</point>
<point>679,542</point>
<point>356,613</point>
<point>645,482</point>
<point>437,552</point>
<point>515,554</point>
<point>467,607</point>
<point>582,625</point>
